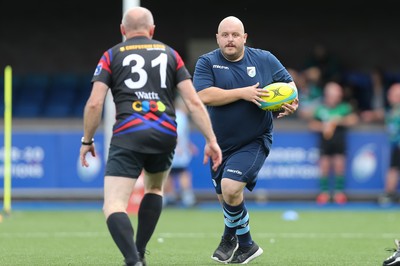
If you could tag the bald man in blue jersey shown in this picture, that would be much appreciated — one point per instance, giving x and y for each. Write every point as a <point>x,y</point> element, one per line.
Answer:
<point>229,80</point>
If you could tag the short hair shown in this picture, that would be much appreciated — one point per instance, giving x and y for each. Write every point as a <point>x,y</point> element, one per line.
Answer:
<point>137,18</point>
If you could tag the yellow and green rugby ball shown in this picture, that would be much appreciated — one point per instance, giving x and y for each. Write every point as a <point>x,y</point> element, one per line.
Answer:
<point>279,93</point>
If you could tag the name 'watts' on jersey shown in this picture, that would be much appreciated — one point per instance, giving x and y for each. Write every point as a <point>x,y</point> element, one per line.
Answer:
<point>142,74</point>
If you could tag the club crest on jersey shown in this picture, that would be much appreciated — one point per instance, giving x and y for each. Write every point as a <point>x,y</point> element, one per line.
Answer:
<point>251,71</point>
<point>98,69</point>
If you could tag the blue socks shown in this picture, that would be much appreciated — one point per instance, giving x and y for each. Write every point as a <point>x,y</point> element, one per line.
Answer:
<point>237,222</point>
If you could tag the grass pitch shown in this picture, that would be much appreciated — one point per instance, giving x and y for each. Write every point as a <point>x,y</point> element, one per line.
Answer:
<point>189,237</point>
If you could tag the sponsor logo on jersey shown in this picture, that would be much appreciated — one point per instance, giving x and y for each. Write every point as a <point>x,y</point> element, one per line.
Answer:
<point>148,106</point>
<point>148,102</point>
<point>220,67</point>
<point>147,95</point>
<point>251,71</point>
<point>142,46</point>
<point>98,69</point>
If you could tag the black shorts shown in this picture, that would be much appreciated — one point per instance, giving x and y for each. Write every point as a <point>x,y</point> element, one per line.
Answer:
<point>333,146</point>
<point>395,157</point>
<point>128,163</point>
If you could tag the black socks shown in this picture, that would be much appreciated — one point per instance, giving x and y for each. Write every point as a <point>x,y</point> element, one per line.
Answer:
<point>121,230</point>
<point>148,215</point>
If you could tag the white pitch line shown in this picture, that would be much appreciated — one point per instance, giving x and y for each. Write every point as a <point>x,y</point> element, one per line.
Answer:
<point>287,235</point>
<point>203,235</point>
<point>54,235</point>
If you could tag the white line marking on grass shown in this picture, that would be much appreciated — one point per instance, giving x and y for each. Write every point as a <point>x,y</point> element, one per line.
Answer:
<point>202,235</point>
<point>54,235</point>
<point>288,235</point>
<point>328,235</point>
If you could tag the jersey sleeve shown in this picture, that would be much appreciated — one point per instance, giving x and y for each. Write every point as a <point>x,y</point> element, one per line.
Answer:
<point>279,72</point>
<point>103,69</point>
<point>203,77</point>
<point>181,71</point>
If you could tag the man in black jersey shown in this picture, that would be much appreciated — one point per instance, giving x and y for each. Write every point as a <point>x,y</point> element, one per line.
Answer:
<point>143,75</point>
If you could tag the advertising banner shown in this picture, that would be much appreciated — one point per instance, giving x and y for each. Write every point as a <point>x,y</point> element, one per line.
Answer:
<point>293,163</point>
<point>51,160</point>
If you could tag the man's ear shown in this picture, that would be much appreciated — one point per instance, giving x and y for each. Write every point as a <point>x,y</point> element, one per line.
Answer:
<point>152,30</point>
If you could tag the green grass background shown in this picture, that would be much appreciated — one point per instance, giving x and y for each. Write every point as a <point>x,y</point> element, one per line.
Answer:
<point>189,237</point>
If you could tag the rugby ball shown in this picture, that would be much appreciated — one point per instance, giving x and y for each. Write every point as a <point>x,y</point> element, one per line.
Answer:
<point>279,93</point>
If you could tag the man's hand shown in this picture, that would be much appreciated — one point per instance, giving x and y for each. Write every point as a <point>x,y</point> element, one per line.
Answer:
<point>84,150</point>
<point>253,94</point>
<point>289,109</point>
<point>213,151</point>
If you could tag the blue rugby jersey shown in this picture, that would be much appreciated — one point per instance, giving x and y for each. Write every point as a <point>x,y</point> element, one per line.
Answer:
<point>239,122</point>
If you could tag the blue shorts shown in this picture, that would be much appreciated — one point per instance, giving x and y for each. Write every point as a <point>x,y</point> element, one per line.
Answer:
<point>242,165</point>
<point>128,163</point>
